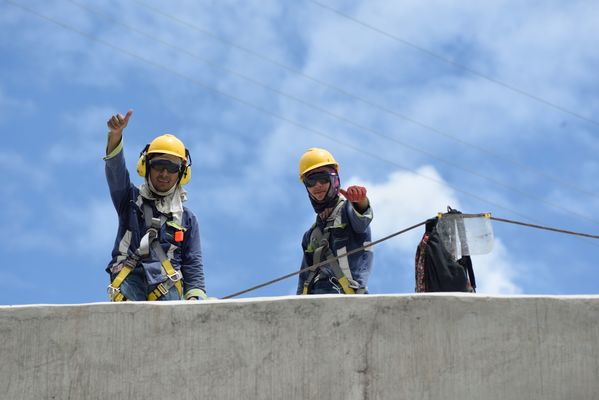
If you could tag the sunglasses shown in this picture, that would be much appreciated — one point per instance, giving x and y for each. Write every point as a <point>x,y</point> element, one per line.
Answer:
<point>163,164</point>
<point>320,177</point>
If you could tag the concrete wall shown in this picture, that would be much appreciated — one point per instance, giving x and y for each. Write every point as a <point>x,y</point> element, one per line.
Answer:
<point>318,347</point>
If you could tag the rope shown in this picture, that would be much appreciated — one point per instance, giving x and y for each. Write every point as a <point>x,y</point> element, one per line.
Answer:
<point>547,228</point>
<point>486,215</point>
<point>313,267</point>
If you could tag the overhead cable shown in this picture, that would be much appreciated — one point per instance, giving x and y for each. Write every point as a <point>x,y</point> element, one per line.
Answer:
<point>547,228</point>
<point>331,114</point>
<point>259,108</point>
<point>334,258</point>
<point>324,262</point>
<point>372,104</point>
<point>456,64</point>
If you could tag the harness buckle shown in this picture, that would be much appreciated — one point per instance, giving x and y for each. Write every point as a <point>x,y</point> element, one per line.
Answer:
<point>162,289</point>
<point>176,276</point>
<point>156,223</point>
<point>131,261</point>
<point>112,292</point>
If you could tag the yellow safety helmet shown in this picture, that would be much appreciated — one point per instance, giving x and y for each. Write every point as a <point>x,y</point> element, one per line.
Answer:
<point>315,158</point>
<point>166,144</point>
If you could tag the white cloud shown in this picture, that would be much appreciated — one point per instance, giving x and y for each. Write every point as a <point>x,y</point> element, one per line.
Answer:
<point>497,271</point>
<point>245,161</point>
<point>405,199</point>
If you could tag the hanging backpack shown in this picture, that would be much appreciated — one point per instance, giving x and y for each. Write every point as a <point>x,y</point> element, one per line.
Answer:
<point>437,270</point>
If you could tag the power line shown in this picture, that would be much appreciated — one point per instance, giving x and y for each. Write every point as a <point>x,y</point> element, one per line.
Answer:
<point>335,258</point>
<point>362,100</point>
<point>259,108</point>
<point>329,113</point>
<point>547,228</point>
<point>455,63</point>
<point>324,262</point>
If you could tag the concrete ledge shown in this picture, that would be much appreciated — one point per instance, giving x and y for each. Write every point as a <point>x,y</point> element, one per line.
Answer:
<point>434,346</point>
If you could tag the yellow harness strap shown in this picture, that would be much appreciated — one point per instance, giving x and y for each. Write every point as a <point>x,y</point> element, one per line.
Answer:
<point>116,284</point>
<point>114,287</point>
<point>162,289</point>
<point>344,282</point>
<point>174,277</point>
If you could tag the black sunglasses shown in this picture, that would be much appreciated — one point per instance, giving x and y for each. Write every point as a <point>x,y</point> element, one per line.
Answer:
<point>319,177</point>
<point>163,164</point>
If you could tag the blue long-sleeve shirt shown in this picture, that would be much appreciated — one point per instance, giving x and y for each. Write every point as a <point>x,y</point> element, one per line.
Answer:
<point>351,231</point>
<point>185,256</point>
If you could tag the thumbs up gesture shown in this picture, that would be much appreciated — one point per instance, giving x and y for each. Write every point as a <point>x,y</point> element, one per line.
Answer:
<point>118,122</point>
<point>356,195</point>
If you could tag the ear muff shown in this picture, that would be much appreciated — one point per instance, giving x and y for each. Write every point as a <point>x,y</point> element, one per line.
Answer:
<point>186,174</point>
<point>142,161</point>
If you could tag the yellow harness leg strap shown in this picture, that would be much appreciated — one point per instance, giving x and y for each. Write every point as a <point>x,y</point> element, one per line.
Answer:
<point>162,289</point>
<point>116,283</point>
<point>340,276</point>
<point>344,282</point>
<point>114,289</point>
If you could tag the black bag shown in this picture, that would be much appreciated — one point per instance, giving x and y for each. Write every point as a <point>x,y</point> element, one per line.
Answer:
<point>436,270</point>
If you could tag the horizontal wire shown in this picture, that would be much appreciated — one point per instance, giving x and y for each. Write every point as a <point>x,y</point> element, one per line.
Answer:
<point>547,228</point>
<point>259,108</point>
<point>160,66</point>
<point>382,108</point>
<point>324,262</point>
<point>456,64</point>
<point>333,115</point>
<point>327,261</point>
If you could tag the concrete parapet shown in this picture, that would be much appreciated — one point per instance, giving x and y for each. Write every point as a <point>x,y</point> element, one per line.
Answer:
<point>435,346</point>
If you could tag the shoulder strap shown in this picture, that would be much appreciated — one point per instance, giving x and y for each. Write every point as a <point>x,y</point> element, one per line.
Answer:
<point>174,277</point>
<point>334,218</point>
<point>149,219</point>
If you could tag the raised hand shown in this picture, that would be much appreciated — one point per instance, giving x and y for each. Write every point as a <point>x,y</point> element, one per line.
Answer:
<point>118,122</point>
<point>355,194</point>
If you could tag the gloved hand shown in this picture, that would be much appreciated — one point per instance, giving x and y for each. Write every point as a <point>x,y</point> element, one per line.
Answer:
<point>355,194</point>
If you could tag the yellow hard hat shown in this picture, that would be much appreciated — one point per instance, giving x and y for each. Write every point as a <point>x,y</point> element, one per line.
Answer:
<point>166,144</point>
<point>315,158</point>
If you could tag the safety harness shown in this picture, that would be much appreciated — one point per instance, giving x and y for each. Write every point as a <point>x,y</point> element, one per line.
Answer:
<point>319,244</point>
<point>148,241</point>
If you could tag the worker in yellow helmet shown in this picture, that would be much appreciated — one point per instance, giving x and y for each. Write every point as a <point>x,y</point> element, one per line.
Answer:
<point>342,225</point>
<point>157,253</point>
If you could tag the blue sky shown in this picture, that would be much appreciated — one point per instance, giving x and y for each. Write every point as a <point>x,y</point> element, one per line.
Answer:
<point>488,106</point>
